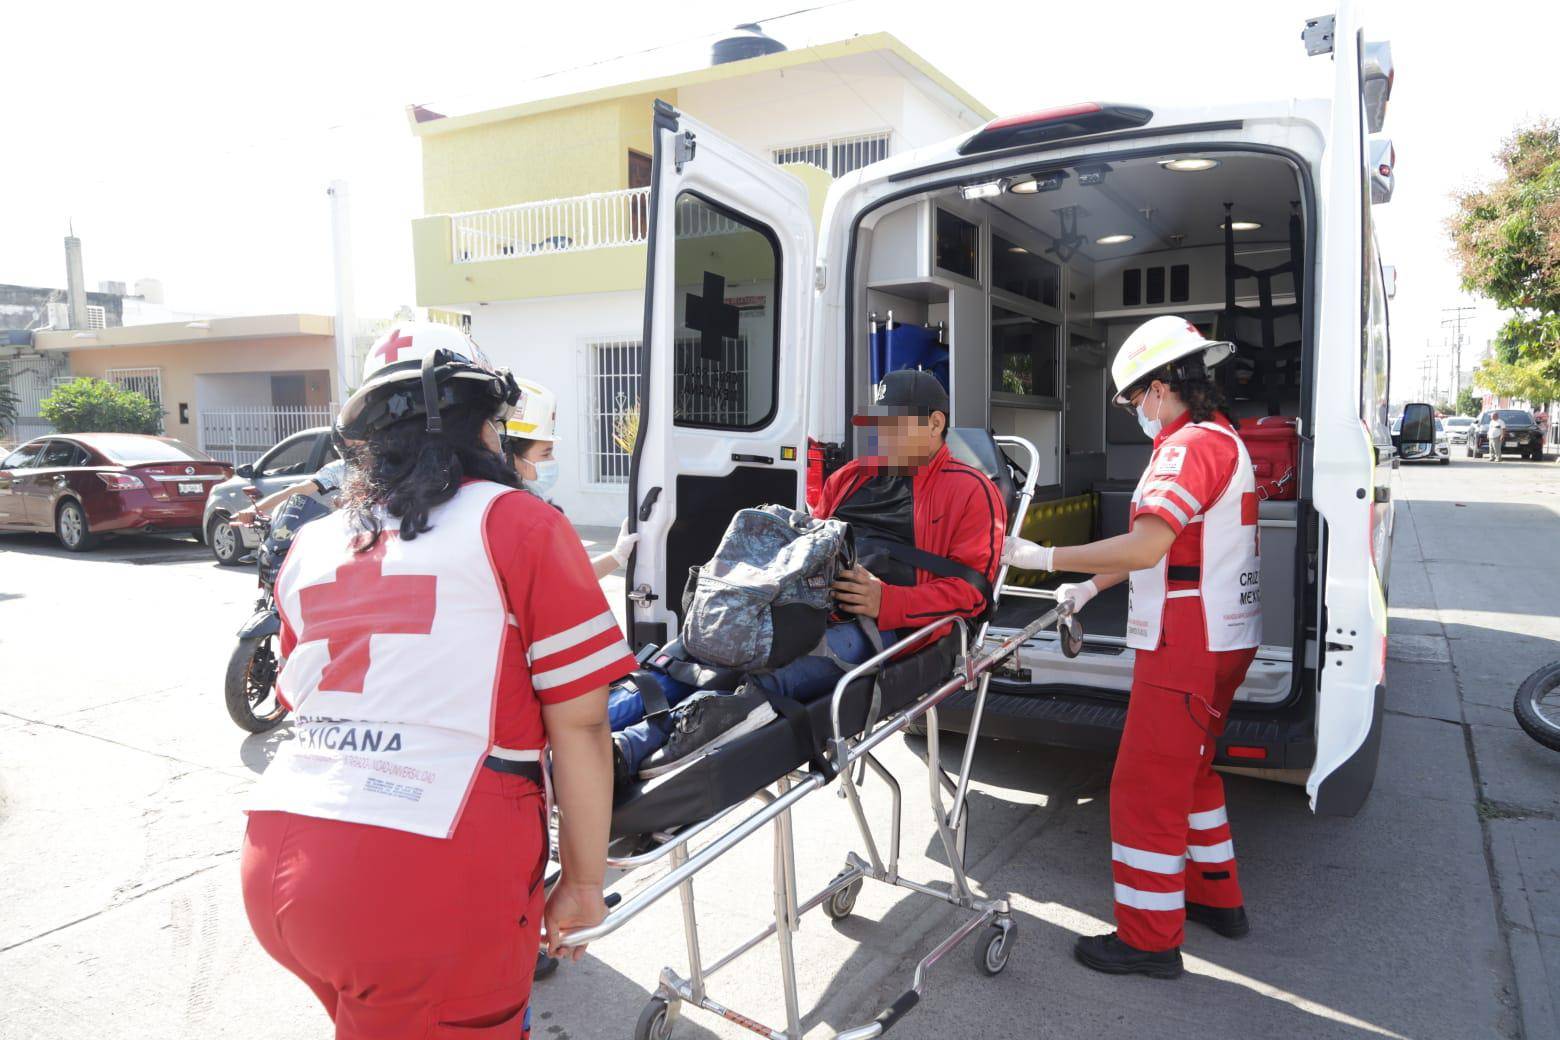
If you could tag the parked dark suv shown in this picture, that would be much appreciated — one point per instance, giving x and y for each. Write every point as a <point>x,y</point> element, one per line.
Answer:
<point>1522,434</point>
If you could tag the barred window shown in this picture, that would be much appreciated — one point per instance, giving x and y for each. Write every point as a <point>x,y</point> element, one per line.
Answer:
<point>612,409</point>
<point>838,155</point>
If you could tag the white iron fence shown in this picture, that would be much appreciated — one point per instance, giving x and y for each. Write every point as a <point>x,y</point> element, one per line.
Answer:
<point>600,221</point>
<point>242,435</point>
<point>31,379</point>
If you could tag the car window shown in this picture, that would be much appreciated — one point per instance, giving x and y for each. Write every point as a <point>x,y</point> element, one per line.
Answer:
<point>58,453</point>
<point>288,459</point>
<point>22,457</point>
<point>1514,416</point>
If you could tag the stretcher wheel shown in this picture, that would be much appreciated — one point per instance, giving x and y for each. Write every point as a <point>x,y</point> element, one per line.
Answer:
<point>840,905</point>
<point>991,956</point>
<point>655,1021</point>
<point>1071,634</point>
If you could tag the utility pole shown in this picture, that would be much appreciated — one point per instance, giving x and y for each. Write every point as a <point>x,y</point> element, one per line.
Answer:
<point>346,317</point>
<point>1459,315</point>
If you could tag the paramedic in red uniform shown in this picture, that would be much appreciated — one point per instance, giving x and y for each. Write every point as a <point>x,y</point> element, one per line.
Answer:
<point>1194,619</point>
<point>439,631</point>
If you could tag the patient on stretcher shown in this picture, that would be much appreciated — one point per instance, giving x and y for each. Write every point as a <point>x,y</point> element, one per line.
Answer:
<point>928,533</point>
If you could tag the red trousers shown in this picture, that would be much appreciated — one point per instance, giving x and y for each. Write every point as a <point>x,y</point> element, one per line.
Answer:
<point>1170,836</point>
<point>401,936</point>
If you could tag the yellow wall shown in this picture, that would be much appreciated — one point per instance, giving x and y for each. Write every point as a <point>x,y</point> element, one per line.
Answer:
<point>182,362</point>
<point>549,155</point>
<point>443,283</point>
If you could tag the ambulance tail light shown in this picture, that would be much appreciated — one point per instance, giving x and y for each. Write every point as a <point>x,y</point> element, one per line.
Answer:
<point>1055,124</point>
<point>815,461</point>
<point>1246,751</point>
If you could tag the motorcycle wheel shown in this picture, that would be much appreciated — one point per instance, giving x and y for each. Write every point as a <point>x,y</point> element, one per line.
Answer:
<point>1537,705</point>
<point>251,685</point>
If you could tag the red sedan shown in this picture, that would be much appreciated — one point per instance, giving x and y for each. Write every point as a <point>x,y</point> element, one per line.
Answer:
<point>82,486</point>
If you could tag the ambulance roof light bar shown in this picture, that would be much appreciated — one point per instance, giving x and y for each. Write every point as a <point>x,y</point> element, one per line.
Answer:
<point>1055,124</point>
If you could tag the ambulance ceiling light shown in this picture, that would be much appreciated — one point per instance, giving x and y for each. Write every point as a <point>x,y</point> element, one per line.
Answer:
<point>1242,225</point>
<point>1189,164</point>
<point>1113,240</point>
<point>1039,182</point>
<point>984,190</point>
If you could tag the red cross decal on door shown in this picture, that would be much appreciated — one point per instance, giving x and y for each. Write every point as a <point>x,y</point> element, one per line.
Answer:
<point>390,348</point>
<point>361,603</point>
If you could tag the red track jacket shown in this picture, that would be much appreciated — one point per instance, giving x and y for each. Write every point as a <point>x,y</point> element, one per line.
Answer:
<point>958,514</point>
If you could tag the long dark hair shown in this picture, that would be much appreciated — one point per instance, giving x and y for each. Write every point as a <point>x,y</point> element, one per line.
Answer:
<point>1197,390</point>
<point>406,471</point>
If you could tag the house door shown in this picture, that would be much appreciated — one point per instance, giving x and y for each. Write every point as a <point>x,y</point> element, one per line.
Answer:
<point>638,177</point>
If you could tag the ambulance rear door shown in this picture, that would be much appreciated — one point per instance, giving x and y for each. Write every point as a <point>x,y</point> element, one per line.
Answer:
<point>722,396</point>
<point>1350,486</point>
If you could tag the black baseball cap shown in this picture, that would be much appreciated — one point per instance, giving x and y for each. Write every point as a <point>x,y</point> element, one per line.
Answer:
<point>907,391</point>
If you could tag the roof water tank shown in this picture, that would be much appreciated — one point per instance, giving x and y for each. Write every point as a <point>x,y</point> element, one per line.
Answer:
<point>745,41</point>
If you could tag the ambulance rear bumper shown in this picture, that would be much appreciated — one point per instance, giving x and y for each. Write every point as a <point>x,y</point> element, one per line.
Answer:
<point>1256,738</point>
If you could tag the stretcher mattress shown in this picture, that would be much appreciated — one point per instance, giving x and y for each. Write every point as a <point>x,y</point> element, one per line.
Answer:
<point>736,771</point>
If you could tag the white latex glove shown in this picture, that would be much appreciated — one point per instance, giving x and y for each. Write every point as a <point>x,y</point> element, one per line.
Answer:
<point>1077,594</point>
<point>625,545</point>
<point>1026,555</point>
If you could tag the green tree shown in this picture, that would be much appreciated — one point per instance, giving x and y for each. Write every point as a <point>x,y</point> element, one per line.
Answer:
<point>89,405</point>
<point>10,409</point>
<point>1469,403</point>
<point>1506,238</point>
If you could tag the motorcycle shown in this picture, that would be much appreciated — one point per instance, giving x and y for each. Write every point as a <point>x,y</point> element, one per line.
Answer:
<point>250,687</point>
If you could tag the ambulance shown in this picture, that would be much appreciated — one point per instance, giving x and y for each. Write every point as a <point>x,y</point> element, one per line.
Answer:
<point>1012,261</point>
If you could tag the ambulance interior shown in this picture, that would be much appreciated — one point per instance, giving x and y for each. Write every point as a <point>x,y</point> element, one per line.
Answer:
<point>1017,293</point>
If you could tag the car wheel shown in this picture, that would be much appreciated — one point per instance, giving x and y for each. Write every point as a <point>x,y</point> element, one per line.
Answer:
<point>71,528</point>
<point>225,542</point>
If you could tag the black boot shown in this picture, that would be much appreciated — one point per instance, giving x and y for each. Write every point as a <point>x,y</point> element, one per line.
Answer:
<point>1109,954</point>
<point>1229,922</point>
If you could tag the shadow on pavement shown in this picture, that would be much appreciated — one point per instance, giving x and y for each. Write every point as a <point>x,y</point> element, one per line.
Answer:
<point>129,548</point>
<point>1053,861</point>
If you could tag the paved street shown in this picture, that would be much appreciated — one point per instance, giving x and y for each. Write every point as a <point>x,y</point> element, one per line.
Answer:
<point>1433,914</point>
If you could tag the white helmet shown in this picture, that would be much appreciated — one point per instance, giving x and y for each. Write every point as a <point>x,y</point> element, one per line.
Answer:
<point>535,417</point>
<point>1159,342</point>
<point>421,368</point>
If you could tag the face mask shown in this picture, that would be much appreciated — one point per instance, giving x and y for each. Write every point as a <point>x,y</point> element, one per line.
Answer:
<point>1150,426</point>
<point>546,476</point>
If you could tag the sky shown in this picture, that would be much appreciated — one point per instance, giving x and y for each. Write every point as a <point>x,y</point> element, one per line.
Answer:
<point>194,142</point>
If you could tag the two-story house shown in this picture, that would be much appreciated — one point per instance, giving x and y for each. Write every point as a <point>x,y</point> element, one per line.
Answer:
<point>537,217</point>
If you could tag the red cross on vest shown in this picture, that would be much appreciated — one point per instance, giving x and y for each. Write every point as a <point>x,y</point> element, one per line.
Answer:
<point>390,349</point>
<point>361,603</point>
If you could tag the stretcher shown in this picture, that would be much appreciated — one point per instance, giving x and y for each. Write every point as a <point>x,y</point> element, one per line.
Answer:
<point>756,781</point>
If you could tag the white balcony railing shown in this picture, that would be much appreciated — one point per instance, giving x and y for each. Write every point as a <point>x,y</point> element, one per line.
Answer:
<point>602,220</point>
<point>599,221</point>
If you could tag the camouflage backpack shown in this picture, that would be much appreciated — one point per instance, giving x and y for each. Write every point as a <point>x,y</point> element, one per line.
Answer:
<point>763,599</point>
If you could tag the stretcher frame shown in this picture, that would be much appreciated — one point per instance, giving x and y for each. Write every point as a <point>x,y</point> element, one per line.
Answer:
<point>848,755</point>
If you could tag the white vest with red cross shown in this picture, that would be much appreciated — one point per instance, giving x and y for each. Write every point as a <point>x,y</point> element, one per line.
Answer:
<point>394,675</point>
<point>1229,574</point>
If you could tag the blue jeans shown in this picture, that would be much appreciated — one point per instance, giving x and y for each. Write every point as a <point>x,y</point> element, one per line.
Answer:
<point>804,679</point>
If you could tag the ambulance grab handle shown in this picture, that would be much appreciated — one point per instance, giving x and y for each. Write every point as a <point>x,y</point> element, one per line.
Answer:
<point>648,505</point>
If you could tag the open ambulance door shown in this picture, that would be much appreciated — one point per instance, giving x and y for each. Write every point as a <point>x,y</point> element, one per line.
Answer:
<point>1351,484</point>
<point>722,403</point>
